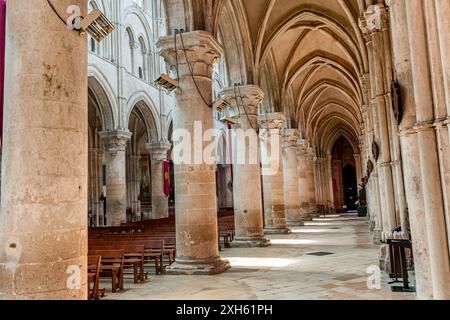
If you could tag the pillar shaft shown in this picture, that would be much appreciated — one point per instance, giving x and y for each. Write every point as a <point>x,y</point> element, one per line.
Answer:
<point>293,215</point>
<point>116,184</point>
<point>195,188</point>
<point>428,151</point>
<point>302,173</point>
<point>273,180</point>
<point>312,200</point>
<point>160,202</point>
<point>43,219</point>
<point>378,91</point>
<point>248,211</point>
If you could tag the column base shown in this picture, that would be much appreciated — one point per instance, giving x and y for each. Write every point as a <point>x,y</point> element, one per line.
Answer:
<point>250,243</point>
<point>376,236</point>
<point>384,257</point>
<point>282,230</point>
<point>307,218</point>
<point>208,269</point>
<point>296,223</point>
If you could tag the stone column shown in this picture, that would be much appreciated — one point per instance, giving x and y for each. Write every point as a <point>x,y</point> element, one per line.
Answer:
<point>195,188</point>
<point>311,157</point>
<point>160,202</point>
<point>358,168</point>
<point>374,37</point>
<point>135,184</point>
<point>302,172</point>
<point>116,184</point>
<point>94,181</point>
<point>43,218</point>
<point>329,175</point>
<point>428,151</point>
<point>273,180</point>
<point>248,211</point>
<point>291,195</point>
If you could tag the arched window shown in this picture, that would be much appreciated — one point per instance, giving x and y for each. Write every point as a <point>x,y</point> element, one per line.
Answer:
<point>129,58</point>
<point>143,74</point>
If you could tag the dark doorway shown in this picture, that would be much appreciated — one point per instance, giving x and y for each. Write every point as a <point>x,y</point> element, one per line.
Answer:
<point>350,187</point>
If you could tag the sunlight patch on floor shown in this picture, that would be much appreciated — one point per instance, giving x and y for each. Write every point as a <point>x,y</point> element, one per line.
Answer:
<point>259,262</point>
<point>292,241</point>
<point>307,230</point>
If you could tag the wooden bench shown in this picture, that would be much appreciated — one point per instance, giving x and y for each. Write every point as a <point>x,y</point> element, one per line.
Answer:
<point>133,257</point>
<point>112,265</point>
<point>94,264</point>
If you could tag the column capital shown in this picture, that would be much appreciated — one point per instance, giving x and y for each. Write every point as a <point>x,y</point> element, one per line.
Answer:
<point>158,150</point>
<point>374,19</point>
<point>290,138</point>
<point>200,48</point>
<point>302,145</point>
<point>249,96</point>
<point>272,121</point>
<point>115,140</point>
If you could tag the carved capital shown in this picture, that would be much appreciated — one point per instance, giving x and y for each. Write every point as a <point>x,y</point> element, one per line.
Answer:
<point>115,141</point>
<point>375,19</point>
<point>302,145</point>
<point>158,150</point>
<point>200,48</point>
<point>272,121</point>
<point>290,138</point>
<point>248,99</point>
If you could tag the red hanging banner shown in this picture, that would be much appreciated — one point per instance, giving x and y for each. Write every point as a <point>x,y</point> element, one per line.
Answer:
<point>166,175</point>
<point>2,61</point>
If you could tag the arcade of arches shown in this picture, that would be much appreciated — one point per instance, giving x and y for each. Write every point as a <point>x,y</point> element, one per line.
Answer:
<point>356,94</point>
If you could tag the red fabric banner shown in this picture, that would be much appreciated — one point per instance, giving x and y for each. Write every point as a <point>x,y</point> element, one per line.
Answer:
<point>166,177</point>
<point>2,60</point>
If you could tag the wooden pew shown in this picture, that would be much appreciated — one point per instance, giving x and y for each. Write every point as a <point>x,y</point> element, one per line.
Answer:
<point>133,257</point>
<point>112,265</point>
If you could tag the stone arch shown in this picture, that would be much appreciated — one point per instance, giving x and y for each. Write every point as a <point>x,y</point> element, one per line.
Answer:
<point>145,105</point>
<point>102,93</point>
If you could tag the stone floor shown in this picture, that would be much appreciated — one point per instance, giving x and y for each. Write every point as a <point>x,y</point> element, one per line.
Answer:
<point>326,259</point>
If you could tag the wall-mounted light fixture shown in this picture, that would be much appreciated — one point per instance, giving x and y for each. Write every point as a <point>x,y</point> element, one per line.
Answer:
<point>97,25</point>
<point>166,82</point>
<point>220,105</point>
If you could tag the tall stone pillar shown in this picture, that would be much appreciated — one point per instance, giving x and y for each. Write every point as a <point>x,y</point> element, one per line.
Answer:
<point>94,187</point>
<point>374,37</point>
<point>428,151</point>
<point>160,202</point>
<point>291,195</point>
<point>302,172</point>
<point>195,188</point>
<point>116,184</point>
<point>43,218</point>
<point>134,186</point>
<point>329,178</point>
<point>248,211</point>
<point>358,168</point>
<point>273,180</point>
<point>312,200</point>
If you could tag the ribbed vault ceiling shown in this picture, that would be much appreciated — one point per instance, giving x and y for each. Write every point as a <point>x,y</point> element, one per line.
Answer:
<point>307,55</point>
